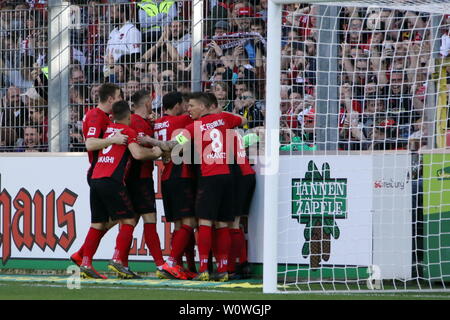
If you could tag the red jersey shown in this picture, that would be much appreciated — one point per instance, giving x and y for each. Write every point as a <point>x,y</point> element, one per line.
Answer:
<point>166,128</point>
<point>240,155</point>
<point>114,161</point>
<point>209,136</point>
<point>141,169</point>
<point>95,123</point>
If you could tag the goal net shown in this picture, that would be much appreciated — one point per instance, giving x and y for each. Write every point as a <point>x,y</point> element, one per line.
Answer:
<point>363,180</point>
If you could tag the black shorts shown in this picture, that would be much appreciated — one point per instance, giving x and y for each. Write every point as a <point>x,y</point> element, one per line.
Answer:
<point>178,198</point>
<point>215,198</point>
<point>245,188</point>
<point>142,194</point>
<point>109,199</point>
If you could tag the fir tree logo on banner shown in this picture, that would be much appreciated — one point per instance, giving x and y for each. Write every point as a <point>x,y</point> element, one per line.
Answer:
<point>317,201</point>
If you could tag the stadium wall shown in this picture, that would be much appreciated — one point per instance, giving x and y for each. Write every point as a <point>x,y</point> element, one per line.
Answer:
<point>45,212</point>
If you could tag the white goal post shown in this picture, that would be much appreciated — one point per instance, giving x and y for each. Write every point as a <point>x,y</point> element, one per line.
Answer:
<point>327,146</point>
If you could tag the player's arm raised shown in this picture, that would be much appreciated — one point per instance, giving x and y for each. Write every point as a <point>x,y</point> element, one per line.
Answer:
<point>163,145</point>
<point>93,144</point>
<point>141,153</point>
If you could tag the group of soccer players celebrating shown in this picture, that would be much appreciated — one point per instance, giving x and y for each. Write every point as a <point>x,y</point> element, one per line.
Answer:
<point>207,183</point>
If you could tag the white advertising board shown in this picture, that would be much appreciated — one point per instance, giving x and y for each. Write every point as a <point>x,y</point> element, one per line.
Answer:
<point>363,223</point>
<point>45,212</point>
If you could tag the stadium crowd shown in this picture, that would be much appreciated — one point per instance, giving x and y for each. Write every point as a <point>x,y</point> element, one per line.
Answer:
<point>384,66</point>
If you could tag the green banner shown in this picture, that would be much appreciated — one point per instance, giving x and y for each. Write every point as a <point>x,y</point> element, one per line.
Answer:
<point>436,215</point>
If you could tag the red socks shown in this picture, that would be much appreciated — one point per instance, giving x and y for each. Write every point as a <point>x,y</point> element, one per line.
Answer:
<point>153,243</point>
<point>91,244</point>
<point>123,243</point>
<point>179,243</point>
<point>223,249</point>
<point>235,249</point>
<point>189,251</point>
<point>204,246</point>
<point>243,252</point>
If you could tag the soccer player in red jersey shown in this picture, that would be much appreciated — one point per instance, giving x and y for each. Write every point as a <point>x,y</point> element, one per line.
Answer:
<point>178,190</point>
<point>110,197</point>
<point>245,182</point>
<point>95,123</point>
<point>140,180</point>
<point>214,202</point>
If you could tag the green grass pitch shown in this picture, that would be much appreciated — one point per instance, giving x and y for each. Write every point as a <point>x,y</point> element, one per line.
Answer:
<point>43,287</point>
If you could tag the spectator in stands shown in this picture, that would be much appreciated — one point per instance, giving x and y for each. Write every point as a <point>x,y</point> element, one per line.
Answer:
<point>239,88</point>
<point>306,119</point>
<point>262,12</point>
<point>221,27</point>
<point>77,75</point>
<point>249,108</point>
<point>180,40</point>
<point>7,139</point>
<point>220,90</point>
<point>124,44</point>
<point>139,71</point>
<point>76,142</point>
<point>12,112</point>
<point>96,52</point>
<point>219,12</point>
<point>32,141</point>
<point>241,10</point>
<point>132,86</point>
<point>38,118</point>
<point>94,98</point>
<point>154,16</point>
<point>118,74</point>
<point>173,46</point>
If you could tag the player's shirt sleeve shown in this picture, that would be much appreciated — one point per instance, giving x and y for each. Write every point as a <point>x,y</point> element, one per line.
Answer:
<point>92,126</point>
<point>132,135</point>
<point>232,120</point>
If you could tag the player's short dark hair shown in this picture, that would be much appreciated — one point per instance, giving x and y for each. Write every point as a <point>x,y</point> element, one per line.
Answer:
<point>202,97</point>
<point>107,90</point>
<point>212,98</point>
<point>139,95</point>
<point>120,110</point>
<point>170,100</point>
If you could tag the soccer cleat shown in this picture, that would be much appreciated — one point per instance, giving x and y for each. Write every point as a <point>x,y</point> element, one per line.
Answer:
<point>176,272</point>
<point>190,275</point>
<point>90,273</point>
<point>203,276</point>
<point>76,258</point>
<point>134,275</point>
<point>161,274</point>
<point>219,276</point>
<point>122,271</point>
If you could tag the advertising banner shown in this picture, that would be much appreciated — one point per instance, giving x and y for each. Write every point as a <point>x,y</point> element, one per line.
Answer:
<point>45,212</point>
<point>340,211</point>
